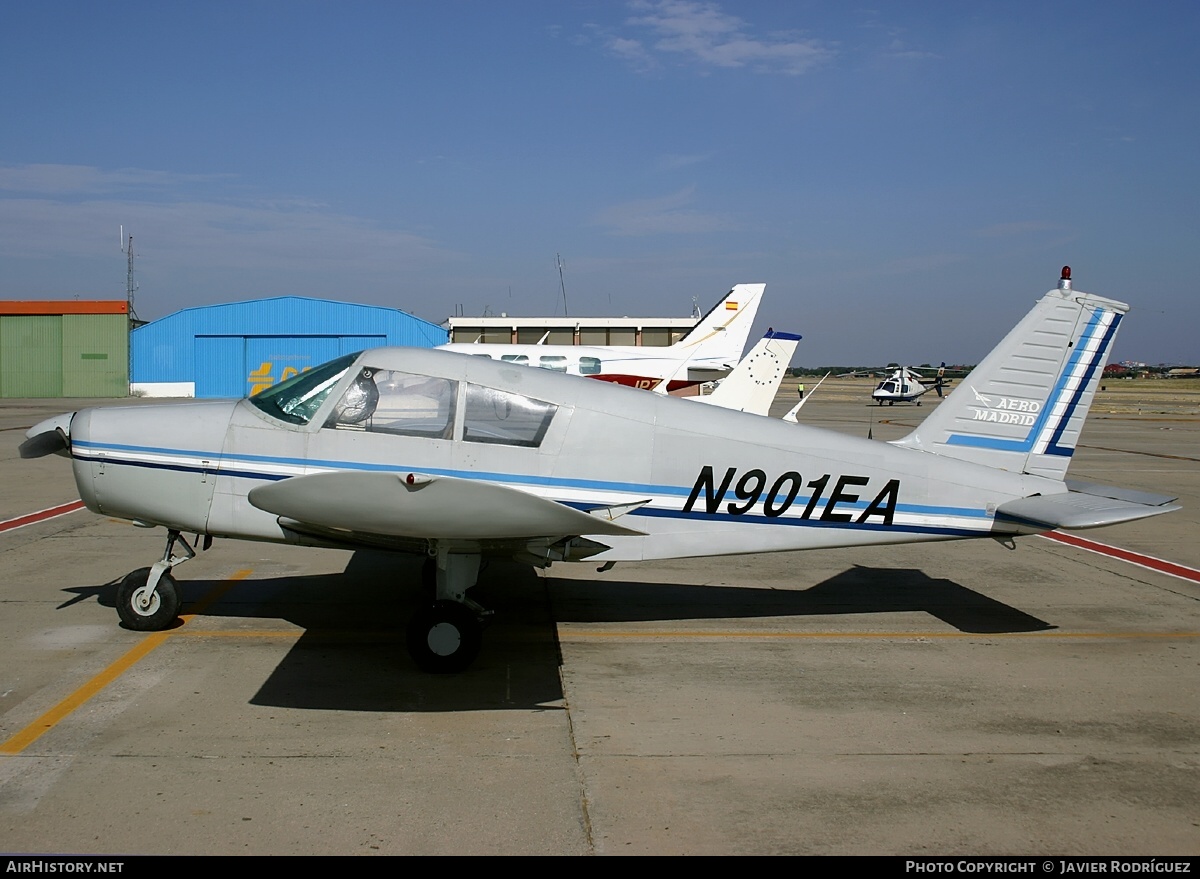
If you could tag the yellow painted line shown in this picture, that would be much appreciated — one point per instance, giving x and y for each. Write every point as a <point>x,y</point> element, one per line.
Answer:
<point>55,715</point>
<point>215,595</point>
<point>568,635</point>
<point>240,633</point>
<point>34,731</point>
<point>355,636</point>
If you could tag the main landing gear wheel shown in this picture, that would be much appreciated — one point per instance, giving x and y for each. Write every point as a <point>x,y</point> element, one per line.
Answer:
<point>444,637</point>
<point>144,609</point>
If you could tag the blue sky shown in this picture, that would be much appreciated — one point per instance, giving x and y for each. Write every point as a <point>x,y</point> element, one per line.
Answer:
<point>906,178</point>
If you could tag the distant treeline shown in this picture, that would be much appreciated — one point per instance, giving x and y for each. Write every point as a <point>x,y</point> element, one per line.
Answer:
<point>1113,370</point>
<point>931,370</point>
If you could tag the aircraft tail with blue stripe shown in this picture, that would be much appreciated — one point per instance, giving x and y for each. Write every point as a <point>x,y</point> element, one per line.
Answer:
<point>1023,407</point>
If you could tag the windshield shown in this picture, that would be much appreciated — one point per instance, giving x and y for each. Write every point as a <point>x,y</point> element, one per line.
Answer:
<point>298,399</point>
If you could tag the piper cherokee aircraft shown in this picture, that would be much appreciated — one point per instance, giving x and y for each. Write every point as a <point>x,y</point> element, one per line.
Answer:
<point>457,458</point>
<point>716,342</point>
<point>904,385</point>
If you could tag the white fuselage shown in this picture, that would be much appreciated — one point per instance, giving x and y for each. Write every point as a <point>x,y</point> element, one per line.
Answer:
<point>712,481</point>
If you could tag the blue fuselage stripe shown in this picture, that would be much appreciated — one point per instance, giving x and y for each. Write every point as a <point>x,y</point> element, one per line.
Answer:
<point>230,468</point>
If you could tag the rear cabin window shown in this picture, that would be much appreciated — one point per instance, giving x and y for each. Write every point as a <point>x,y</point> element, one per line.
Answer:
<point>589,365</point>
<point>504,418</point>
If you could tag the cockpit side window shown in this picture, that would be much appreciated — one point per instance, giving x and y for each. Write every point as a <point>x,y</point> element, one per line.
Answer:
<point>505,418</point>
<point>297,400</point>
<point>389,401</point>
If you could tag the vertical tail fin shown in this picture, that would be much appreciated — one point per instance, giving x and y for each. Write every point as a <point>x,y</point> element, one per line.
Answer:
<point>1023,407</point>
<point>718,339</point>
<point>752,385</point>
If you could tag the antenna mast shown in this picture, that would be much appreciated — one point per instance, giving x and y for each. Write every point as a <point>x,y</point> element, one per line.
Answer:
<point>130,285</point>
<point>562,283</point>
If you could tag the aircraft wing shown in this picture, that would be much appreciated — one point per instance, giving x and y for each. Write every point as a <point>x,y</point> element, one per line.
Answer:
<point>791,414</point>
<point>414,505</point>
<point>1084,506</point>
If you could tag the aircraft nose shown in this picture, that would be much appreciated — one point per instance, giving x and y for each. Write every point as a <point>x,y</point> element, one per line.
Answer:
<point>49,437</point>
<point>156,464</point>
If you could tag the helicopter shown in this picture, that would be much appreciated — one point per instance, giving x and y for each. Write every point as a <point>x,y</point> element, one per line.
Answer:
<point>905,385</point>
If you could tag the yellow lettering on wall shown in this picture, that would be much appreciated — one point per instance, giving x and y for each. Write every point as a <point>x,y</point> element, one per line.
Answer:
<point>261,378</point>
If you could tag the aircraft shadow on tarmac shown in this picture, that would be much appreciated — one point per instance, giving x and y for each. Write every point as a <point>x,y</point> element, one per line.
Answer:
<point>351,655</point>
<point>857,590</point>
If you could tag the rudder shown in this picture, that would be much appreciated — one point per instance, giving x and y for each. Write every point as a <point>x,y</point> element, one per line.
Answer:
<point>720,336</point>
<point>1023,407</point>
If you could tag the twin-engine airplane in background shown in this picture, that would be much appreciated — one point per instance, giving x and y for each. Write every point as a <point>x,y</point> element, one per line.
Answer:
<point>457,458</point>
<point>715,343</point>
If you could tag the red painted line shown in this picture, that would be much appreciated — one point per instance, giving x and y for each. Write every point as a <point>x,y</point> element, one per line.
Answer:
<point>1125,555</point>
<point>40,516</point>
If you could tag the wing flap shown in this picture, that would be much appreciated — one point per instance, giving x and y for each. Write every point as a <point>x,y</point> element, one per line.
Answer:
<point>1078,509</point>
<point>428,507</point>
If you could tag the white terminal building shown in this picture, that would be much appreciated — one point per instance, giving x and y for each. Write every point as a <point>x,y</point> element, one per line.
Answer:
<point>632,331</point>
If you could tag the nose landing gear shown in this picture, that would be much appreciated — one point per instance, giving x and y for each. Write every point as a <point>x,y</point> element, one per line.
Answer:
<point>144,607</point>
<point>148,599</point>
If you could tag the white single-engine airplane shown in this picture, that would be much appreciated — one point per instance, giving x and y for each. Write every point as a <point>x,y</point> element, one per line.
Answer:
<point>456,458</point>
<point>716,342</point>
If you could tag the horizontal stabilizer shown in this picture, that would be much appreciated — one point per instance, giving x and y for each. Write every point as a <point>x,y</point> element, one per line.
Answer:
<point>422,506</point>
<point>1078,509</point>
<point>1121,494</point>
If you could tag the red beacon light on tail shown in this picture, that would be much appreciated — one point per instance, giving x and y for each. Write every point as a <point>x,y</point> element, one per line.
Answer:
<point>1064,281</point>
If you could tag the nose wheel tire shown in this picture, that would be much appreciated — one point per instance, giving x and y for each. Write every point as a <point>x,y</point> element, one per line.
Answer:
<point>144,609</point>
<point>444,637</point>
